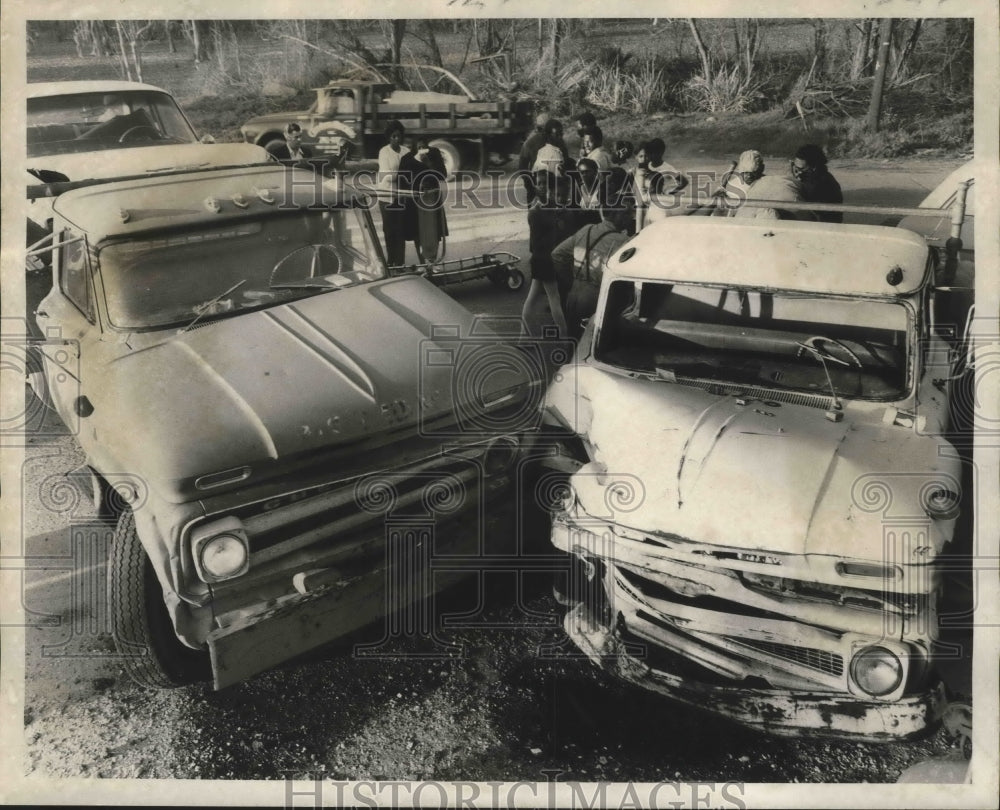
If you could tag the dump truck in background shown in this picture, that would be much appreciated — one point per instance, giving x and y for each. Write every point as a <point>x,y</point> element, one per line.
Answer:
<point>348,117</point>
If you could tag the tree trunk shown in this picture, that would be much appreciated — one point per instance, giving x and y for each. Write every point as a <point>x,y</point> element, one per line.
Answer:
<point>820,38</point>
<point>196,41</point>
<point>432,44</point>
<point>556,42</point>
<point>875,108</point>
<point>123,54</point>
<point>899,68</point>
<point>136,59</point>
<point>699,44</point>
<point>79,38</point>
<point>860,61</point>
<point>750,40</point>
<point>171,45</point>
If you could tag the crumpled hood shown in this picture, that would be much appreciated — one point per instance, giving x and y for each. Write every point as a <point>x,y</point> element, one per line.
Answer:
<point>763,476</point>
<point>149,159</point>
<point>259,388</point>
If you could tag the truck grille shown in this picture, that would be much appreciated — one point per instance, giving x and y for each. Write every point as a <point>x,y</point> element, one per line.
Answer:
<point>819,660</point>
<point>765,394</point>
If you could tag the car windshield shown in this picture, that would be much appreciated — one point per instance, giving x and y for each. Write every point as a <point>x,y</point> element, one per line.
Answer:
<point>89,122</point>
<point>727,336</point>
<point>197,275</point>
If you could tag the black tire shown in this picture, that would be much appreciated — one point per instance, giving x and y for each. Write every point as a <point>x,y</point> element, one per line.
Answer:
<point>497,276</point>
<point>515,279</point>
<point>37,382</point>
<point>270,142</point>
<point>144,636</point>
<point>452,157</point>
<point>108,504</point>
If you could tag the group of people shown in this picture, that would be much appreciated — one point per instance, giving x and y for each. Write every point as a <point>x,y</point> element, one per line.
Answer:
<point>411,200</point>
<point>582,208</point>
<point>410,173</point>
<point>808,180</point>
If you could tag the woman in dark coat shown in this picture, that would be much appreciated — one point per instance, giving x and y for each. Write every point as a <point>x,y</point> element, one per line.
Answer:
<point>431,224</point>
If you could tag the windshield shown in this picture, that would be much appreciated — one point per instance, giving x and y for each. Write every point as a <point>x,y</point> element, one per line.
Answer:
<point>88,122</point>
<point>749,338</point>
<point>199,275</point>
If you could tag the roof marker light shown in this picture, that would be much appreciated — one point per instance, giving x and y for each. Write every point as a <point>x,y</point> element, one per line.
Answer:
<point>894,276</point>
<point>264,195</point>
<point>124,214</point>
<point>213,205</point>
<point>240,201</point>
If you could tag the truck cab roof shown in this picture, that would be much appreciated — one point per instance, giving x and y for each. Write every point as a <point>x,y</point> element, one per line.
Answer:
<point>807,257</point>
<point>130,207</point>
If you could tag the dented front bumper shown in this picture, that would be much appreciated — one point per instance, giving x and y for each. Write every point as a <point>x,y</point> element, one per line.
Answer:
<point>705,630</point>
<point>775,711</point>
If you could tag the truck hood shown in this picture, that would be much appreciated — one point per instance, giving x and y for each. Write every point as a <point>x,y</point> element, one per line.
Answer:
<point>152,159</point>
<point>264,388</point>
<point>761,476</point>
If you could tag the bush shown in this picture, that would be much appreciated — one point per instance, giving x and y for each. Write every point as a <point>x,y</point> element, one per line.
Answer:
<point>724,90</point>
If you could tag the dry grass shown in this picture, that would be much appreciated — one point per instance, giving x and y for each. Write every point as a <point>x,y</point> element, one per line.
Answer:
<point>725,90</point>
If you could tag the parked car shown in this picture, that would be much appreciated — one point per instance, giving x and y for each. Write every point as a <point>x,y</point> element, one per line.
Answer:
<point>84,130</point>
<point>760,492</point>
<point>281,428</point>
<point>80,131</point>
<point>349,115</point>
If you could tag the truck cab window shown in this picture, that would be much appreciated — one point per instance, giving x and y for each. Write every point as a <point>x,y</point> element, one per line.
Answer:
<point>74,275</point>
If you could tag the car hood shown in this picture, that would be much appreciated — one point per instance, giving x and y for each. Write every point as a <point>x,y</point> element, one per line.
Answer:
<point>271,387</point>
<point>765,475</point>
<point>153,159</point>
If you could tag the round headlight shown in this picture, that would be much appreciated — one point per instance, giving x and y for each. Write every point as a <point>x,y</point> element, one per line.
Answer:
<point>877,671</point>
<point>223,556</point>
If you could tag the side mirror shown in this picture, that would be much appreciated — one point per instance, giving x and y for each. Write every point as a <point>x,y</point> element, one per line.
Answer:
<point>206,138</point>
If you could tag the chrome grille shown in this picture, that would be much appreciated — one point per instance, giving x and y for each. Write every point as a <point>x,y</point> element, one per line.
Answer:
<point>820,660</point>
<point>767,394</point>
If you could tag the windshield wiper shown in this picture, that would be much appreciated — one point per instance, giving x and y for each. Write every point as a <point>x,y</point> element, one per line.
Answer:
<point>308,284</point>
<point>837,413</point>
<point>204,307</point>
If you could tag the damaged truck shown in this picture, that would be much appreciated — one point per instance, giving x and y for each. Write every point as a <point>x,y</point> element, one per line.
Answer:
<point>760,482</point>
<point>282,430</point>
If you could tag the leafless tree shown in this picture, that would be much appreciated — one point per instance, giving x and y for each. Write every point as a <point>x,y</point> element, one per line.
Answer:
<point>131,35</point>
<point>904,43</point>
<point>746,38</point>
<point>699,44</point>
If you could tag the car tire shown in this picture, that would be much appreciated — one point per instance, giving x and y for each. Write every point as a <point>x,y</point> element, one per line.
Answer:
<point>452,157</point>
<point>108,503</point>
<point>272,143</point>
<point>37,383</point>
<point>144,636</point>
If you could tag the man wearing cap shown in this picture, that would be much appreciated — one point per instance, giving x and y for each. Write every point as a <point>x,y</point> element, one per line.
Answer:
<point>747,170</point>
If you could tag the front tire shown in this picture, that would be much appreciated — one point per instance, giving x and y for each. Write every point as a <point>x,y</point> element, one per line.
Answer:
<point>144,635</point>
<point>451,156</point>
